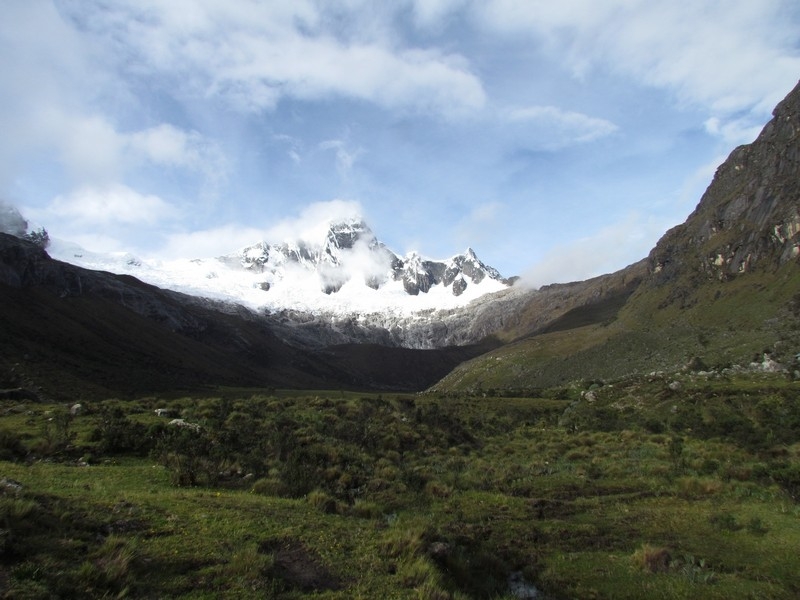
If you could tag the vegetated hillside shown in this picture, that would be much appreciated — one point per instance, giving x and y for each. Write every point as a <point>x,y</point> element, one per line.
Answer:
<point>68,332</point>
<point>723,287</point>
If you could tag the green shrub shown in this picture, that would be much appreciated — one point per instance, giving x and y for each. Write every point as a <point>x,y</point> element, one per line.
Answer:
<point>11,446</point>
<point>365,509</point>
<point>724,521</point>
<point>756,527</point>
<point>652,559</point>
<point>697,487</point>
<point>110,567</point>
<point>268,486</point>
<point>322,501</point>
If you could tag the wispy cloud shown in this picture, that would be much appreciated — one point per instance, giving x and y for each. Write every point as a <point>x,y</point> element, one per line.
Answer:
<point>313,221</point>
<point>479,225</point>
<point>557,127</point>
<point>610,248</point>
<point>253,54</point>
<point>345,157</point>
<point>733,131</point>
<point>722,55</point>
<point>207,243</point>
<point>114,204</point>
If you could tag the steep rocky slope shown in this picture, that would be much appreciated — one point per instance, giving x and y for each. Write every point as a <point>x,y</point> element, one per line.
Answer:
<point>724,287</point>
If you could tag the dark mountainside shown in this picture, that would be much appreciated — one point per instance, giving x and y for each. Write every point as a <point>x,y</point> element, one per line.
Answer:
<point>721,289</point>
<point>71,332</point>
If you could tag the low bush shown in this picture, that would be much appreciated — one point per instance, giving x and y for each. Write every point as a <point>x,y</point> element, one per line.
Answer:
<point>652,559</point>
<point>11,446</point>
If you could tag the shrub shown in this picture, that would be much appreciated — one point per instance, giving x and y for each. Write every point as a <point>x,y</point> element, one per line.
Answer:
<point>756,527</point>
<point>692,487</point>
<point>676,456</point>
<point>11,446</point>
<point>724,521</point>
<point>417,571</point>
<point>437,489</point>
<point>401,541</point>
<point>110,566</point>
<point>117,434</point>
<point>365,509</point>
<point>322,501</point>
<point>268,486</point>
<point>653,559</point>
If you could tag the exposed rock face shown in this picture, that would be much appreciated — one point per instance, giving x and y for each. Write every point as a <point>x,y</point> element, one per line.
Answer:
<point>749,217</point>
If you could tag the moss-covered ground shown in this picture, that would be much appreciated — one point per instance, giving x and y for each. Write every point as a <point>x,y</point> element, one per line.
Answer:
<point>679,486</point>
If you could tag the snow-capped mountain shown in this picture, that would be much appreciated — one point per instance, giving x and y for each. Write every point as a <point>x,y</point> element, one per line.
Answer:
<point>350,252</point>
<point>344,275</point>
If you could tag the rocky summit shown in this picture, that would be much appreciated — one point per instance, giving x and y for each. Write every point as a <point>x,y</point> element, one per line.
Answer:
<point>350,250</point>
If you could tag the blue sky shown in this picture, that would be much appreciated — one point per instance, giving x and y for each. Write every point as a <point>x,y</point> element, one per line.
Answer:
<point>558,139</point>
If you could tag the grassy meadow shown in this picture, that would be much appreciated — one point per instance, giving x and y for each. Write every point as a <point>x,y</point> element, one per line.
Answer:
<point>660,486</point>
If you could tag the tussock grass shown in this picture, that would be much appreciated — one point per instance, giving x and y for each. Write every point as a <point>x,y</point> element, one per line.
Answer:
<point>402,497</point>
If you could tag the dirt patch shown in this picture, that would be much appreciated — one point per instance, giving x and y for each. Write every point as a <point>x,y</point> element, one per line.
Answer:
<point>299,566</point>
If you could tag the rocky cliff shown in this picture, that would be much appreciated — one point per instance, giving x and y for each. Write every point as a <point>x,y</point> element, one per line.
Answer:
<point>749,217</point>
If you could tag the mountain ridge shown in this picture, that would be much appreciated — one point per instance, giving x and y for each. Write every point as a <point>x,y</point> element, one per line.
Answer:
<point>721,289</point>
<point>69,332</point>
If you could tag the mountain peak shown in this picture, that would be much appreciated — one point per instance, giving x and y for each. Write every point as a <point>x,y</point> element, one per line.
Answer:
<point>343,234</point>
<point>349,257</point>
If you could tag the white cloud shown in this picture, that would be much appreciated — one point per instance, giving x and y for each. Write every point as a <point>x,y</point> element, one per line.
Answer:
<point>52,79</point>
<point>559,127</point>
<point>734,131</point>
<point>11,220</point>
<point>430,13</point>
<point>345,158</point>
<point>48,76</point>
<point>313,222</point>
<point>253,54</point>
<point>114,204</point>
<point>608,250</point>
<point>91,149</point>
<point>294,146</point>
<point>168,145</point>
<point>729,56</point>
<point>207,243</point>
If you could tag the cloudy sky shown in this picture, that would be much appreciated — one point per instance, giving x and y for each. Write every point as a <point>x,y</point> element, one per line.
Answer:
<point>558,139</point>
